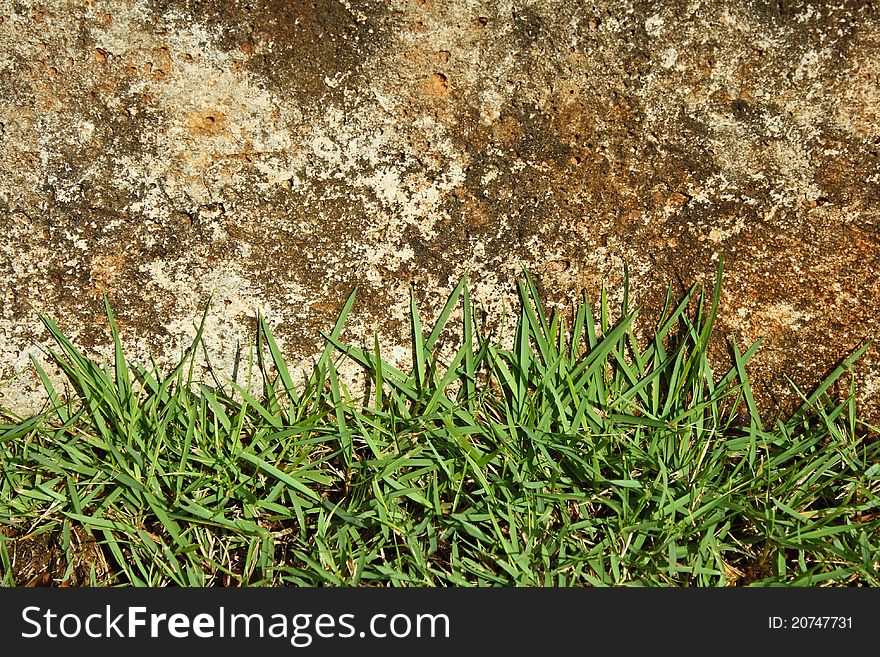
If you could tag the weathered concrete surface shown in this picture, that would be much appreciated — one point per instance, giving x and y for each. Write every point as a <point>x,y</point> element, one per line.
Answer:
<point>280,152</point>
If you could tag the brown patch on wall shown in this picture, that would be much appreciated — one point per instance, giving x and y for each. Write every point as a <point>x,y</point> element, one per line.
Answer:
<point>206,123</point>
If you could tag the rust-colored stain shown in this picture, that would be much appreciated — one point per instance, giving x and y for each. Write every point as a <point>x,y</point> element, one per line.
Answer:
<point>437,84</point>
<point>206,123</point>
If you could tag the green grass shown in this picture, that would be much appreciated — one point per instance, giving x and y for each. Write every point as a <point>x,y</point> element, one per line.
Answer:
<point>577,456</point>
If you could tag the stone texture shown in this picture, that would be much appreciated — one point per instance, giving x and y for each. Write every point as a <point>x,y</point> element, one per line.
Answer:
<point>277,153</point>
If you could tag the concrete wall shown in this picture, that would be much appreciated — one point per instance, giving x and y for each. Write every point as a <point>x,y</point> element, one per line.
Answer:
<point>279,153</point>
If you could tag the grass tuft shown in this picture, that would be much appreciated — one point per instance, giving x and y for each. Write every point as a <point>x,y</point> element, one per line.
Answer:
<point>575,456</point>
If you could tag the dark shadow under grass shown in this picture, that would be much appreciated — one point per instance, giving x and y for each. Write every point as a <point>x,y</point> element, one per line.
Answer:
<point>574,456</point>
